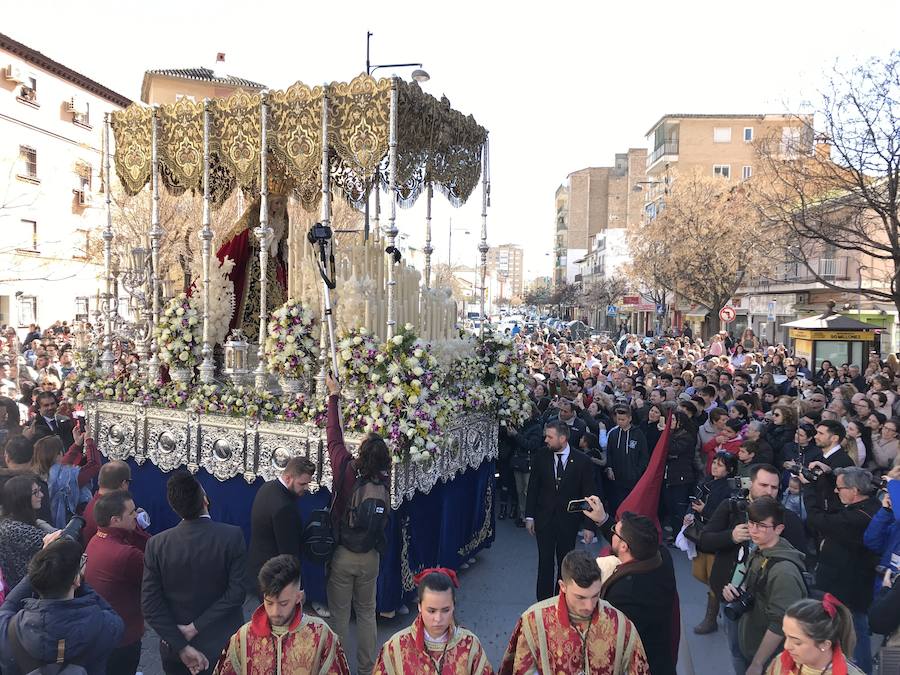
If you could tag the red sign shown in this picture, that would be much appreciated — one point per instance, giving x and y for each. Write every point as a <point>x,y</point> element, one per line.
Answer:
<point>727,314</point>
<point>631,299</point>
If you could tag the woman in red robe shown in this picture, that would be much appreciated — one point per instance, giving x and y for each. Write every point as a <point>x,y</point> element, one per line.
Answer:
<point>434,643</point>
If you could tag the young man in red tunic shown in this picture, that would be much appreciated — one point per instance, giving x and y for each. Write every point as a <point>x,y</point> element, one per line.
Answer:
<point>434,642</point>
<point>575,633</point>
<point>280,639</point>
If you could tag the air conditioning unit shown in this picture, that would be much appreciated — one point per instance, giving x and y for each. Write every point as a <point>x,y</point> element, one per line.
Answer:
<point>76,105</point>
<point>82,197</point>
<point>15,73</point>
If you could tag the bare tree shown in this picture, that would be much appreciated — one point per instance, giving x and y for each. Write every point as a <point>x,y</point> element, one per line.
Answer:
<point>704,243</point>
<point>837,201</point>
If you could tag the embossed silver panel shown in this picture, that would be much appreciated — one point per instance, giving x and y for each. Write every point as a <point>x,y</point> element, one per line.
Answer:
<point>231,446</point>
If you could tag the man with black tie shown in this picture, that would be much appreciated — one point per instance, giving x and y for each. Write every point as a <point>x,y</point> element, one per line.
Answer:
<point>50,422</point>
<point>194,587</point>
<point>557,477</point>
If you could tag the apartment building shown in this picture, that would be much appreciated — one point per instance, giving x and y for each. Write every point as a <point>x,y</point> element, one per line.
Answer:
<point>52,191</point>
<point>597,199</point>
<point>505,263</point>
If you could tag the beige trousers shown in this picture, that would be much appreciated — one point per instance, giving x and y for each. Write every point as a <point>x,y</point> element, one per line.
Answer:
<point>352,579</point>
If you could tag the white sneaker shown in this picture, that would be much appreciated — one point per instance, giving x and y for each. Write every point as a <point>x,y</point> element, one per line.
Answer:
<point>321,610</point>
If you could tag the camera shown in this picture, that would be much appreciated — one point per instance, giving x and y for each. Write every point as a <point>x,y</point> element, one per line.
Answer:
<point>812,475</point>
<point>735,609</point>
<point>73,528</point>
<point>319,234</point>
<point>701,493</point>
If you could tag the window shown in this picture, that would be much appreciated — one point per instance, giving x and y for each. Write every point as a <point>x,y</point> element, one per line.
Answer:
<point>27,306</point>
<point>82,113</point>
<point>790,141</point>
<point>82,244</point>
<point>722,135</point>
<point>746,172</point>
<point>25,238</point>
<point>748,134</point>
<point>28,91</point>
<point>27,162</point>
<point>722,171</point>
<point>83,172</point>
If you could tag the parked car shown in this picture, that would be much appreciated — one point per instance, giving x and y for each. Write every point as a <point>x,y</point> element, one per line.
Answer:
<point>579,330</point>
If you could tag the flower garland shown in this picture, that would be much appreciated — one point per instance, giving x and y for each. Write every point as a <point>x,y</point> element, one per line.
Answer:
<point>179,333</point>
<point>508,376</point>
<point>290,349</point>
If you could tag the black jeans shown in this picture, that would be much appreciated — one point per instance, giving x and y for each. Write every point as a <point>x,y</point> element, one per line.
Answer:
<point>676,498</point>
<point>124,660</point>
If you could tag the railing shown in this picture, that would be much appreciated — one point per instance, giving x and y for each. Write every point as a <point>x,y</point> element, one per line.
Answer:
<point>830,269</point>
<point>667,148</point>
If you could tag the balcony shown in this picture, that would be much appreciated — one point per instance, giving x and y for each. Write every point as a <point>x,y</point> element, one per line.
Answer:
<point>667,148</point>
<point>830,269</point>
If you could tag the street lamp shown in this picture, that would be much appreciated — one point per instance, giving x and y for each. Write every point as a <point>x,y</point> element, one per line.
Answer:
<point>419,75</point>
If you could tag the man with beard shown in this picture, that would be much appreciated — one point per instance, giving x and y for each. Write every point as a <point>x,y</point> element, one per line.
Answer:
<point>576,631</point>
<point>642,586</point>
<point>280,638</point>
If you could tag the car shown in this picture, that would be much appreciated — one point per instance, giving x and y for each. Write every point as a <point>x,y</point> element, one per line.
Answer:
<point>579,329</point>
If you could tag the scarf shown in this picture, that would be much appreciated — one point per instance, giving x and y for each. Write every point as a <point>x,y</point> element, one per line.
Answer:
<point>838,663</point>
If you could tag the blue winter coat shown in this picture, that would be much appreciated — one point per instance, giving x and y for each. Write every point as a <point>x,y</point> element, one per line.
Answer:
<point>883,537</point>
<point>90,627</point>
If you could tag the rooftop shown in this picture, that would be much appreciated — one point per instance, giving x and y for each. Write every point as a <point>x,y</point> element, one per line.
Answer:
<point>723,116</point>
<point>206,75</point>
<point>45,62</point>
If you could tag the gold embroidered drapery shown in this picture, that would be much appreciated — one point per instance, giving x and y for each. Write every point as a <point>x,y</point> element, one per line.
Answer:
<point>435,143</point>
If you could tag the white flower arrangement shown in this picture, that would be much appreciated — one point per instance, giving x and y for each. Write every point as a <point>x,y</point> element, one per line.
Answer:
<point>356,352</point>
<point>221,301</point>
<point>179,333</point>
<point>290,348</point>
<point>508,376</point>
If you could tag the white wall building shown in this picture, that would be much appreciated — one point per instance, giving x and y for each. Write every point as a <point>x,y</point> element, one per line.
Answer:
<point>52,202</point>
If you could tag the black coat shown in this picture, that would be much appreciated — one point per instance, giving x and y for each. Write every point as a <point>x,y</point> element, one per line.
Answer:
<point>545,503</point>
<point>194,573</point>
<point>64,429</point>
<point>275,527</point>
<point>680,458</point>
<point>647,596</point>
<point>777,436</point>
<point>884,615</point>
<point>715,537</point>
<point>627,455</point>
<point>846,568</point>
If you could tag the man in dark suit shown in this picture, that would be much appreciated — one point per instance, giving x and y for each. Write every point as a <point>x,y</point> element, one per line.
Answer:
<point>564,411</point>
<point>557,477</point>
<point>194,585</point>
<point>275,524</point>
<point>50,423</point>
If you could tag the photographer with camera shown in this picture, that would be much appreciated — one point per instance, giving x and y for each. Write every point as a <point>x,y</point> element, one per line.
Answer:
<point>727,535</point>
<point>772,583</point>
<point>67,623</point>
<point>846,568</point>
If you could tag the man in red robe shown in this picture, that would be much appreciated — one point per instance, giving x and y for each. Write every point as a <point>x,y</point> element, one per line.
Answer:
<point>280,639</point>
<point>576,632</point>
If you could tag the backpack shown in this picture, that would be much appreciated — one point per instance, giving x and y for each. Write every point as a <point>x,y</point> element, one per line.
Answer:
<point>319,540</point>
<point>28,665</point>
<point>362,527</point>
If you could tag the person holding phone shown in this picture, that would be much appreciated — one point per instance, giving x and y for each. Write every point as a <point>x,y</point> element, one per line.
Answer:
<point>558,475</point>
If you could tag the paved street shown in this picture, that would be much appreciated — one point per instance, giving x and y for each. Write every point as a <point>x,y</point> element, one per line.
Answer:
<point>500,585</point>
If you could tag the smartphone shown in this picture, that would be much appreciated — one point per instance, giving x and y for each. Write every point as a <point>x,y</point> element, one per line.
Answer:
<point>577,505</point>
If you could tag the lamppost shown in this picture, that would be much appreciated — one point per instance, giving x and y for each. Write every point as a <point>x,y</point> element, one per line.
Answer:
<point>859,291</point>
<point>418,75</point>
<point>450,230</point>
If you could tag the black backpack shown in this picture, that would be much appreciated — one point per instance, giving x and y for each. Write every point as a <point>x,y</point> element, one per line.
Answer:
<point>362,527</point>
<point>30,666</point>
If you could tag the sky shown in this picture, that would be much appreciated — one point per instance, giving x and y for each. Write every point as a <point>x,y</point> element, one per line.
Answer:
<point>560,86</point>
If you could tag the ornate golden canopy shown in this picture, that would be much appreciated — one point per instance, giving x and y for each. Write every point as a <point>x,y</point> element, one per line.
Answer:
<point>435,143</point>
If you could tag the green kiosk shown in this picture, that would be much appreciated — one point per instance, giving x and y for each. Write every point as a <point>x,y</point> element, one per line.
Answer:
<point>832,337</point>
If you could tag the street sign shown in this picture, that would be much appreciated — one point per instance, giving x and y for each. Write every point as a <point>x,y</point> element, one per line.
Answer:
<point>771,311</point>
<point>727,314</point>
<point>660,309</point>
<point>611,310</point>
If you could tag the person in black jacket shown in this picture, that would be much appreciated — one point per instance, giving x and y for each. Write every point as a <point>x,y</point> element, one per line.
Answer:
<point>193,589</point>
<point>679,477</point>
<point>727,535</point>
<point>627,456</point>
<point>557,477</point>
<point>884,614</point>
<point>846,568</point>
<point>643,585</point>
<point>275,524</point>
<point>527,441</point>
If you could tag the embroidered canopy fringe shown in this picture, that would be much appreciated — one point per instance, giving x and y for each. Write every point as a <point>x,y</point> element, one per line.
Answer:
<point>436,144</point>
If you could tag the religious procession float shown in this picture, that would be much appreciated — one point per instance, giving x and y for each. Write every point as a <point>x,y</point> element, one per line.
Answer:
<point>200,395</point>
